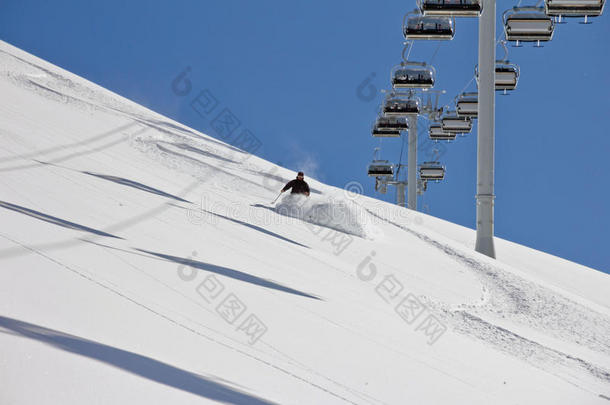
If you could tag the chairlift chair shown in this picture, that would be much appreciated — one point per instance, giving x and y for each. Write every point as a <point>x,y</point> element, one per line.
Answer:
<point>381,168</point>
<point>452,122</point>
<point>574,8</point>
<point>389,127</point>
<point>385,132</point>
<point>507,76</point>
<point>468,105</point>
<point>400,105</point>
<point>436,133</point>
<point>428,27</point>
<point>457,8</point>
<point>528,24</point>
<point>506,73</point>
<point>413,76</point>
<point>431,171</point>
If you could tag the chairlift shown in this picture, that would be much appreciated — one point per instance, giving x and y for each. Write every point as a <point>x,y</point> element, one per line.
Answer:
<point>506,73</point>
<point>389,127</point>
<point>400,105</point>
<point>528,24</point>
<point>468,105</point>
<point>428,27</point>
<point>457,8</point>
<point>412,75</point>
<point>436,133</point>
<point>507,76</point>
<point>385,132</point>
<point>574,8</point>
<point>381,168</point>
<point>431,171</point>
<point>452,122</point>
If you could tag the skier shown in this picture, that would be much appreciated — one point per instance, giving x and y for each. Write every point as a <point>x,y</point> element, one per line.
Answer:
<point>298,185</point>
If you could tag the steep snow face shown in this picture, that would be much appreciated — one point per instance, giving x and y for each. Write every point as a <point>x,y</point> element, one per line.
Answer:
<point>142,261</point>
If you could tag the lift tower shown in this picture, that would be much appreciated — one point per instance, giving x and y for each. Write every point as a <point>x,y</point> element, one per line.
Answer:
<point>486,130</point>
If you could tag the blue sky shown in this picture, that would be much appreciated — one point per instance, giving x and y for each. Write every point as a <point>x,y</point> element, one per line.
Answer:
<point>289,71</point>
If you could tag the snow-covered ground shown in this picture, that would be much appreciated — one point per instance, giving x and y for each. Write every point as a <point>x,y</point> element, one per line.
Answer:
<point>143,262</point>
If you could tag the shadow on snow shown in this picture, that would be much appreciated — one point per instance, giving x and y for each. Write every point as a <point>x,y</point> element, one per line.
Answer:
<point>53,220</point>
<point>135,184</point>
<point>142,366</point>
<point>228,272</point>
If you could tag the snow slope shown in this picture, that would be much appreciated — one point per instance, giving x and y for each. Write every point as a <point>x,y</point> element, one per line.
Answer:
<point>132,271</point>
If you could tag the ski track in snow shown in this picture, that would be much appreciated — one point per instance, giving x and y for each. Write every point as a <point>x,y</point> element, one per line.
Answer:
<point>523,302</point>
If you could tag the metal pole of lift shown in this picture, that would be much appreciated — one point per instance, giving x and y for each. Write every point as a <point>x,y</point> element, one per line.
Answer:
<point>400,194</point>
<point>485,130</point>
<point>412,168</point>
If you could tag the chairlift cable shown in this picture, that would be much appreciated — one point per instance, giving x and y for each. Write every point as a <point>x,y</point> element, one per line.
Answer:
<point>400,158</point>
<point>435,52</point>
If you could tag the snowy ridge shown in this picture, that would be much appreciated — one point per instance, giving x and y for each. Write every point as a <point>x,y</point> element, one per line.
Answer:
<point>134,271</point>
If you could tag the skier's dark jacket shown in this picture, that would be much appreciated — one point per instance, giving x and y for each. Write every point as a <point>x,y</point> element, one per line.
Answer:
<point>298,186</point>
